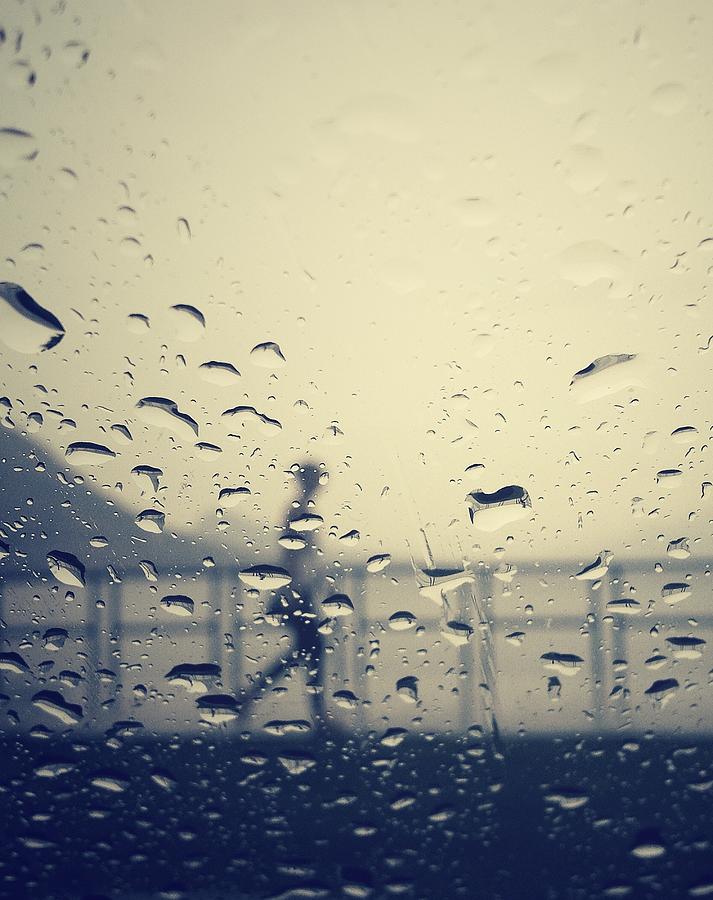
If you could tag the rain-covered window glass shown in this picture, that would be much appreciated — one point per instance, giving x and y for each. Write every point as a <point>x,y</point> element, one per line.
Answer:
<point>356,485</point>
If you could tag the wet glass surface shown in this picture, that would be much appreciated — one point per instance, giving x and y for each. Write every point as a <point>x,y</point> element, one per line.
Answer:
<point>356,499</point>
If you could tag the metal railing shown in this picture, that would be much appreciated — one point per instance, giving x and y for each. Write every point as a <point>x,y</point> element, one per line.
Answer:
<point>492,681</point>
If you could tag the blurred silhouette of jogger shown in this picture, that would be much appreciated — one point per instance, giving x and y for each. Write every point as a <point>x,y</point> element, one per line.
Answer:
<point>296,605</point>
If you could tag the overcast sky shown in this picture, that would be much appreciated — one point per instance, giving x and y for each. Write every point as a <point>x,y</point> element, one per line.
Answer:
<point>438,214</point>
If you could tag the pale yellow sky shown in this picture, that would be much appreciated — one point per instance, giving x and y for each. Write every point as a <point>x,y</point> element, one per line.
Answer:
<point>440,212</point>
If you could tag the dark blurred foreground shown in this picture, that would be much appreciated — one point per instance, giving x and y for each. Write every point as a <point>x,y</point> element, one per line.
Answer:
<point>212,817</point>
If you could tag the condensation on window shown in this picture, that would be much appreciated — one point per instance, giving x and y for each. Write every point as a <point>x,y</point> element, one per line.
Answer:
<point>355,494</point>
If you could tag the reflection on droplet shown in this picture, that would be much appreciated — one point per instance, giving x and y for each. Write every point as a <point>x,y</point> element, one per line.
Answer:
<point>457,633</point>
<point>437,583</point>
<point>229,497</point>
<point>669,477</point>
<point>223,374</point>
<point>138,323</point>
<point>54,639</point>
<point>402,620</point>
<point>606,375</point>
<point>675,591</point>
<point>184,230</point>
<point>337,605</point>
<point>151,520</point>
<point>685,647</point>
<point>130,247</point>
<point>648,845</point>
<point>148,569</point>
<point>562,663</point>
<point>54,769</point>
<point>122,433</point>
<point>178,604</point>
<point>188,322</point>
<point>488,512</point>
<point>86,453</point>
<point>207,451</point>
<point>684,435</point>
<point>25,326</point>
<point>13,663</point>
<point>305,522</point>
<point>147,476</point>
<point>290,540</point>
<point>54,704</point>
<point>662,690</point>
<point>567,798</point>
<point>265,577</point>
<point>196,678</point>
<point>245,414</point>
<point>268,355</point>
<point>407,688</point>
<point>624,606</point>
<point>679,548</point>
<point>296,763</point>
<point>346,699</point>
<point>378,562</point>
<point>164,413</point>
<point>66,568</point>
<point>217,709</point>
<point>596,569</point>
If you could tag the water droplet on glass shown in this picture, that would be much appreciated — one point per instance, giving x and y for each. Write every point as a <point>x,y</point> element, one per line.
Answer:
<point>596,569</point>
<point>337,605</point>
<point>489,512</point>
<point>54,704</point>
<point>151,520</point>
<point>184,231</point>
<point>65,567</point>
<point>378,562</point>
<point>606,375</point>
<point>87,453</point>
<point>268,355</point>
<point>188,322</point>
<point>223,374</point>
<point>165,413</point>
<point>265,577</point>
<point>26,326</point>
